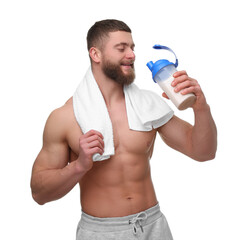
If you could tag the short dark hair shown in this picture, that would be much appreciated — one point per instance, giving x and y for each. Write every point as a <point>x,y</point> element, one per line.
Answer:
<point>101,29</point>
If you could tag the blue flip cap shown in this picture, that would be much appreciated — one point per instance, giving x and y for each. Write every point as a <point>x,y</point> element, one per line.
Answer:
<point>155,67</point>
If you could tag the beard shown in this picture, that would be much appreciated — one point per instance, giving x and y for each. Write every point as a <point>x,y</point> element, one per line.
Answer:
<point>114,72</point>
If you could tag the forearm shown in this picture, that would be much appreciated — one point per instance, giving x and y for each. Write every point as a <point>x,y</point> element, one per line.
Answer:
<point>203,135</point>
<point>50,185</point>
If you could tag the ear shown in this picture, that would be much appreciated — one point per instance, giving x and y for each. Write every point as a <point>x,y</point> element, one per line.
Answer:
<point>95,54</point>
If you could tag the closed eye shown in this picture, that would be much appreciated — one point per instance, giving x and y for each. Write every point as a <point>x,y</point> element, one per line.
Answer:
<point>121,49</point>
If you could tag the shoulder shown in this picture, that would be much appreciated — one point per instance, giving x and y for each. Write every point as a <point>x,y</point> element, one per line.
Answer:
<point>59,120</point>
<point>63,113</point>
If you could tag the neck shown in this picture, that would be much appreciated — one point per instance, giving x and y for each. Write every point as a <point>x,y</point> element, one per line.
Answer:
<point>111,91</point>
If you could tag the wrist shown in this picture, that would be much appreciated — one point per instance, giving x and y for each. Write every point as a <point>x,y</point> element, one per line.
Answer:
<point>79,168</point>
<point>201,104</point>
<point>201,108</point>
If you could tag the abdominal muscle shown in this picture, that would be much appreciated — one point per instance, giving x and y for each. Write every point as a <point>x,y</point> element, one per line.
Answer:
<point>117,187</point>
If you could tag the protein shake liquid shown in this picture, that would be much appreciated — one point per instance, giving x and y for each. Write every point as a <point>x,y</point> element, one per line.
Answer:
<point>162,72</point>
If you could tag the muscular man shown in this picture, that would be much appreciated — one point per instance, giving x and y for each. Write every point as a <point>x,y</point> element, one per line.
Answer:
<point>117,195</point>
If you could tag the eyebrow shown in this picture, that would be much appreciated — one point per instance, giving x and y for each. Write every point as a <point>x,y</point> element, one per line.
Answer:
<point>124,44</point>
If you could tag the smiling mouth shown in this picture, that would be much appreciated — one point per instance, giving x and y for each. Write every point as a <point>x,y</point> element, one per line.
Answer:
<point>128,65</point>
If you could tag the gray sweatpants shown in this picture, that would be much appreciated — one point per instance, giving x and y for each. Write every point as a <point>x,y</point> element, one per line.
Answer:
<point>150,224</point>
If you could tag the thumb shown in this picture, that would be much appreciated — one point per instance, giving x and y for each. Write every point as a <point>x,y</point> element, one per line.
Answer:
<point>165,95</point>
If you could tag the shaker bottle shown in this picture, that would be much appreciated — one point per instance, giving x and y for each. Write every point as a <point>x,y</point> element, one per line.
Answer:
<point>162,72</point>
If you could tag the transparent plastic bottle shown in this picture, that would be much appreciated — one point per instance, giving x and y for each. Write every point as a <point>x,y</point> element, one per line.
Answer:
<point>162,71</point>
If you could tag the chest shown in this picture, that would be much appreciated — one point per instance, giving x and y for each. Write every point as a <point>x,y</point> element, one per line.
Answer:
<point>125,140</point>
<point>131,141</point>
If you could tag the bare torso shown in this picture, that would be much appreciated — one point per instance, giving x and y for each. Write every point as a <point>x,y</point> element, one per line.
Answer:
<point>121,185</point>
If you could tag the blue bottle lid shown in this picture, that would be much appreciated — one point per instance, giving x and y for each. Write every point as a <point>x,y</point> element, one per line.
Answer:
<point>155,67</point>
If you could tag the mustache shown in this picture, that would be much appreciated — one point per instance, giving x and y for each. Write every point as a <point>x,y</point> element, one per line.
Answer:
<point>128,63</point>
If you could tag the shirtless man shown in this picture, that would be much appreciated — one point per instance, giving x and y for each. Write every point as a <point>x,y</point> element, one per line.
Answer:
<point>117,195</point>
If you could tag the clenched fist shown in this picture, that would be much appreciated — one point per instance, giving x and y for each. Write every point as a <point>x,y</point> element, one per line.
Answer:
<point>89,144</point>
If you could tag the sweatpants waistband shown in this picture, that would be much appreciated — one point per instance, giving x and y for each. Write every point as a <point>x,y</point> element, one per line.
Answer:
<point>120,223</point>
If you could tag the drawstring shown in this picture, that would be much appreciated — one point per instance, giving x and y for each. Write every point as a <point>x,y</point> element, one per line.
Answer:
<point>137,221</point>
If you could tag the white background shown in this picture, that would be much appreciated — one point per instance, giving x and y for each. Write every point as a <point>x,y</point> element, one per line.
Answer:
<point>43,57</point>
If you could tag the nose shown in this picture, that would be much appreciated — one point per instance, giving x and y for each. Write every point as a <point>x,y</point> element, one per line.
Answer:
<point>130,54</point>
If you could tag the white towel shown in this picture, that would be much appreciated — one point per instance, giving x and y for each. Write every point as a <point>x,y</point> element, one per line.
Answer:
<point>145,111</point>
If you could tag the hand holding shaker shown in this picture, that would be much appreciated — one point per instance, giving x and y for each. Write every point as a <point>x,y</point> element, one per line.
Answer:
<point>162,72</point>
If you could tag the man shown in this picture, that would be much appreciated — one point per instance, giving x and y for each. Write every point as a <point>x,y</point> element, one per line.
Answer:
<point>117,195</point>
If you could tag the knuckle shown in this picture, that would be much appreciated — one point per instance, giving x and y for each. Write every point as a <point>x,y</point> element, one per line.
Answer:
<point>188,82</point>
<point>185,78</point>
<point>198,88</point>
<point>92,131</point>
<point>97,150</point>
<point>100,150</point>
<point>184,71</point>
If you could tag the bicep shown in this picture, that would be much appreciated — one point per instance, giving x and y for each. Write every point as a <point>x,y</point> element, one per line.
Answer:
<point>55,151</point>
<point>176,134</point>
